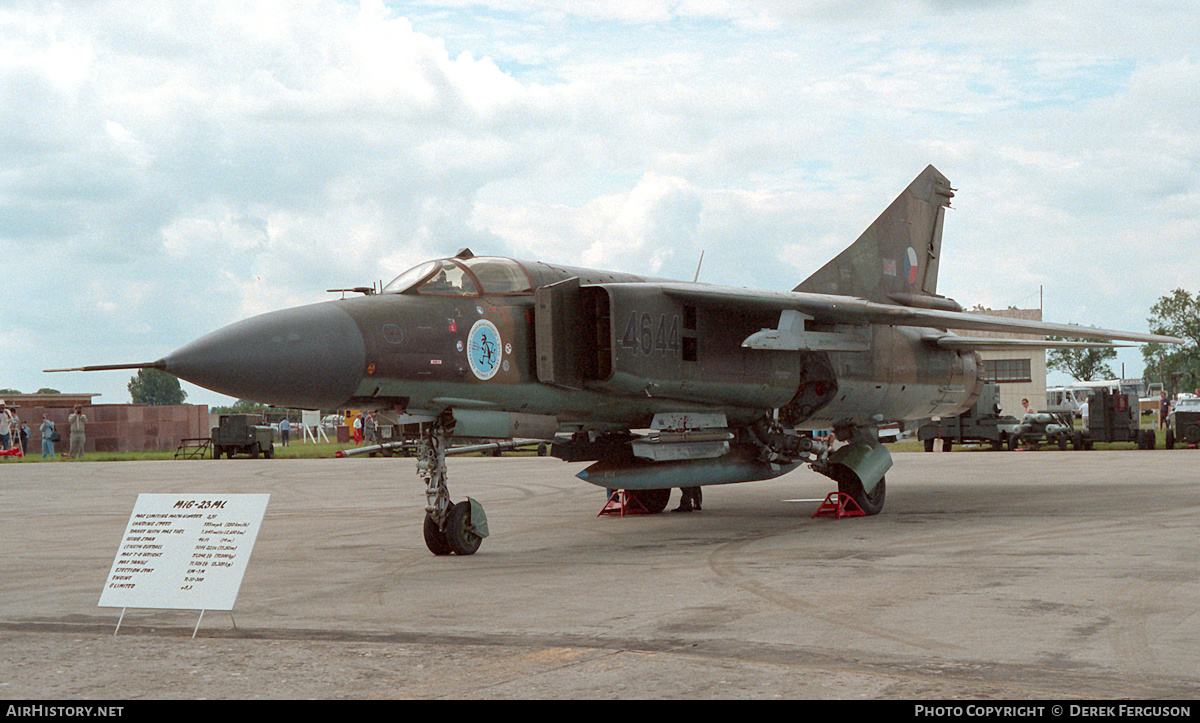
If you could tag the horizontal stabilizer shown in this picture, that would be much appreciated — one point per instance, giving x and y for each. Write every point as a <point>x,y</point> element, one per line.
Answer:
<point>965,343</point>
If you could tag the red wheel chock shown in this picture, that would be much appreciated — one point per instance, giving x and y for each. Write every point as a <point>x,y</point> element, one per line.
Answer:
<point>839,505</point>
<point>622,503</point>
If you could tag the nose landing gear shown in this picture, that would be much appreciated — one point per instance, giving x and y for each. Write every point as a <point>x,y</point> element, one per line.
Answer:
<point>449,527</point>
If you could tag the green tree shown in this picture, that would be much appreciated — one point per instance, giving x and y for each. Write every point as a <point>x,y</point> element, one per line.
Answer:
<point>48,390</point>
<point>1083,365</point>
<point>155,387</point>
<point>241,406</point>
<point>1176,314</point>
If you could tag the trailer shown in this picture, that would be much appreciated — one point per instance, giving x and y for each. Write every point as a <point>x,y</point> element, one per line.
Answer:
<point>981,424</point>
<point>1045,428</point>
<point>1113,417</point>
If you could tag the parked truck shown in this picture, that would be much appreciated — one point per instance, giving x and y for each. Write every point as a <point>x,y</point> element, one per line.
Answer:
<point>1183,423</point>
<point>238,434</point>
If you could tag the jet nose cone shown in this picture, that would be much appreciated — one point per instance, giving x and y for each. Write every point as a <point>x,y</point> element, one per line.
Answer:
<point>309,357</point>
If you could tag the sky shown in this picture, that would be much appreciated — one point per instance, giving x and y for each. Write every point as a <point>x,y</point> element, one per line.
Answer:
<point>169,168</point>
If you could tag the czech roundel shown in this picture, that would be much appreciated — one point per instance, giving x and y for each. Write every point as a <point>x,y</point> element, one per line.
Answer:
<point>910,266</point>
<point>483,349</point>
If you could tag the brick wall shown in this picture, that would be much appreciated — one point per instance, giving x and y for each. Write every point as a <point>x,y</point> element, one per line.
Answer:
<point>121,427</point>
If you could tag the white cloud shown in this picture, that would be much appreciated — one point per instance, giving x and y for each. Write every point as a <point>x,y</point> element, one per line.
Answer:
<point>168,170</point>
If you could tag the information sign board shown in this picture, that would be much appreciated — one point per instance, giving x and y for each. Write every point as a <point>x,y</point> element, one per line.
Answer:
<point>184,551</point>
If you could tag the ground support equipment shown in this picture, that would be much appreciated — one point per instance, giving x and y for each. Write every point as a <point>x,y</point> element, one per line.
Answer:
<point>622,503</point>
<point>839,505</point>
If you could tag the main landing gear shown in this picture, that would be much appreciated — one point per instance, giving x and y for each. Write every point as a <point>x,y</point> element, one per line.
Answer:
<point>858,467</point>
<point>449,527</point>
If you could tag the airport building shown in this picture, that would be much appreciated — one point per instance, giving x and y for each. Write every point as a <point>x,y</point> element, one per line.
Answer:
<point>1021,373</point>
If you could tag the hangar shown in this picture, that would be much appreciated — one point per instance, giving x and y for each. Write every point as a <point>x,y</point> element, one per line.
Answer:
<point>1021,373</point>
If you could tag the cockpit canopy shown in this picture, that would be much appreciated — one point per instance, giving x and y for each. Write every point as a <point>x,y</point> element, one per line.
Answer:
<point>479,275</point>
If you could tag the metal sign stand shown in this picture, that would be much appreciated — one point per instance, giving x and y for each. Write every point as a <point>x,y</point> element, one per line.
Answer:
<point>311,421</point>
<point>194,630</point>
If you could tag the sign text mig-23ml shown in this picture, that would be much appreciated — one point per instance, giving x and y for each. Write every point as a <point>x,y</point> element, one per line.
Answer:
<point>725,380</point>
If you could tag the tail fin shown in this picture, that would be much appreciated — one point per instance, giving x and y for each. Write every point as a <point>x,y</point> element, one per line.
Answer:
<point>894,261</point>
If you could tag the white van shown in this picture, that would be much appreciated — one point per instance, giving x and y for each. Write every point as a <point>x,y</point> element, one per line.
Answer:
<point>1071,397</point>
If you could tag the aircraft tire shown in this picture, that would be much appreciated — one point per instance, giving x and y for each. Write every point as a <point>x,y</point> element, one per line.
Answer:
<point>929,445</point>
<point>1170,439</point>
<point>461,539</point>
<point>849,484</point>
<point>435,539</point>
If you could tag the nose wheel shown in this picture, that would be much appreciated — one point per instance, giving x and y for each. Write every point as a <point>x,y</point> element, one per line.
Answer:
<point>449,527</point>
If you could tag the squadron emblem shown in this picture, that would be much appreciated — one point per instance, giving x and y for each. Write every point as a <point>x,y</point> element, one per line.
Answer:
<point>484,349</point>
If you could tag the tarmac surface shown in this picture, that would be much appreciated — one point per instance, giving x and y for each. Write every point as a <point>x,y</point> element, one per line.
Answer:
<point>997,575</point>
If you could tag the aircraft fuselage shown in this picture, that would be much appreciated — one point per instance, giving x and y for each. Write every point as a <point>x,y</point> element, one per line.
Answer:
<point>593,350</point>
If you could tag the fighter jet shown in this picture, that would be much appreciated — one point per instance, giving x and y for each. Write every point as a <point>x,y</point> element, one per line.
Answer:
<point>659,383</point>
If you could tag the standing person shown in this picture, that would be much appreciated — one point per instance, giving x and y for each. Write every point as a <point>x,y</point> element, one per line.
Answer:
<point>77,421</point>
<point>6,423</point>
<point>24,437</point>
<point>1164,408</point>
<point>690,498</point>
<point>47,430</point>
<point>358,430</point>
<point>284,429</point>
